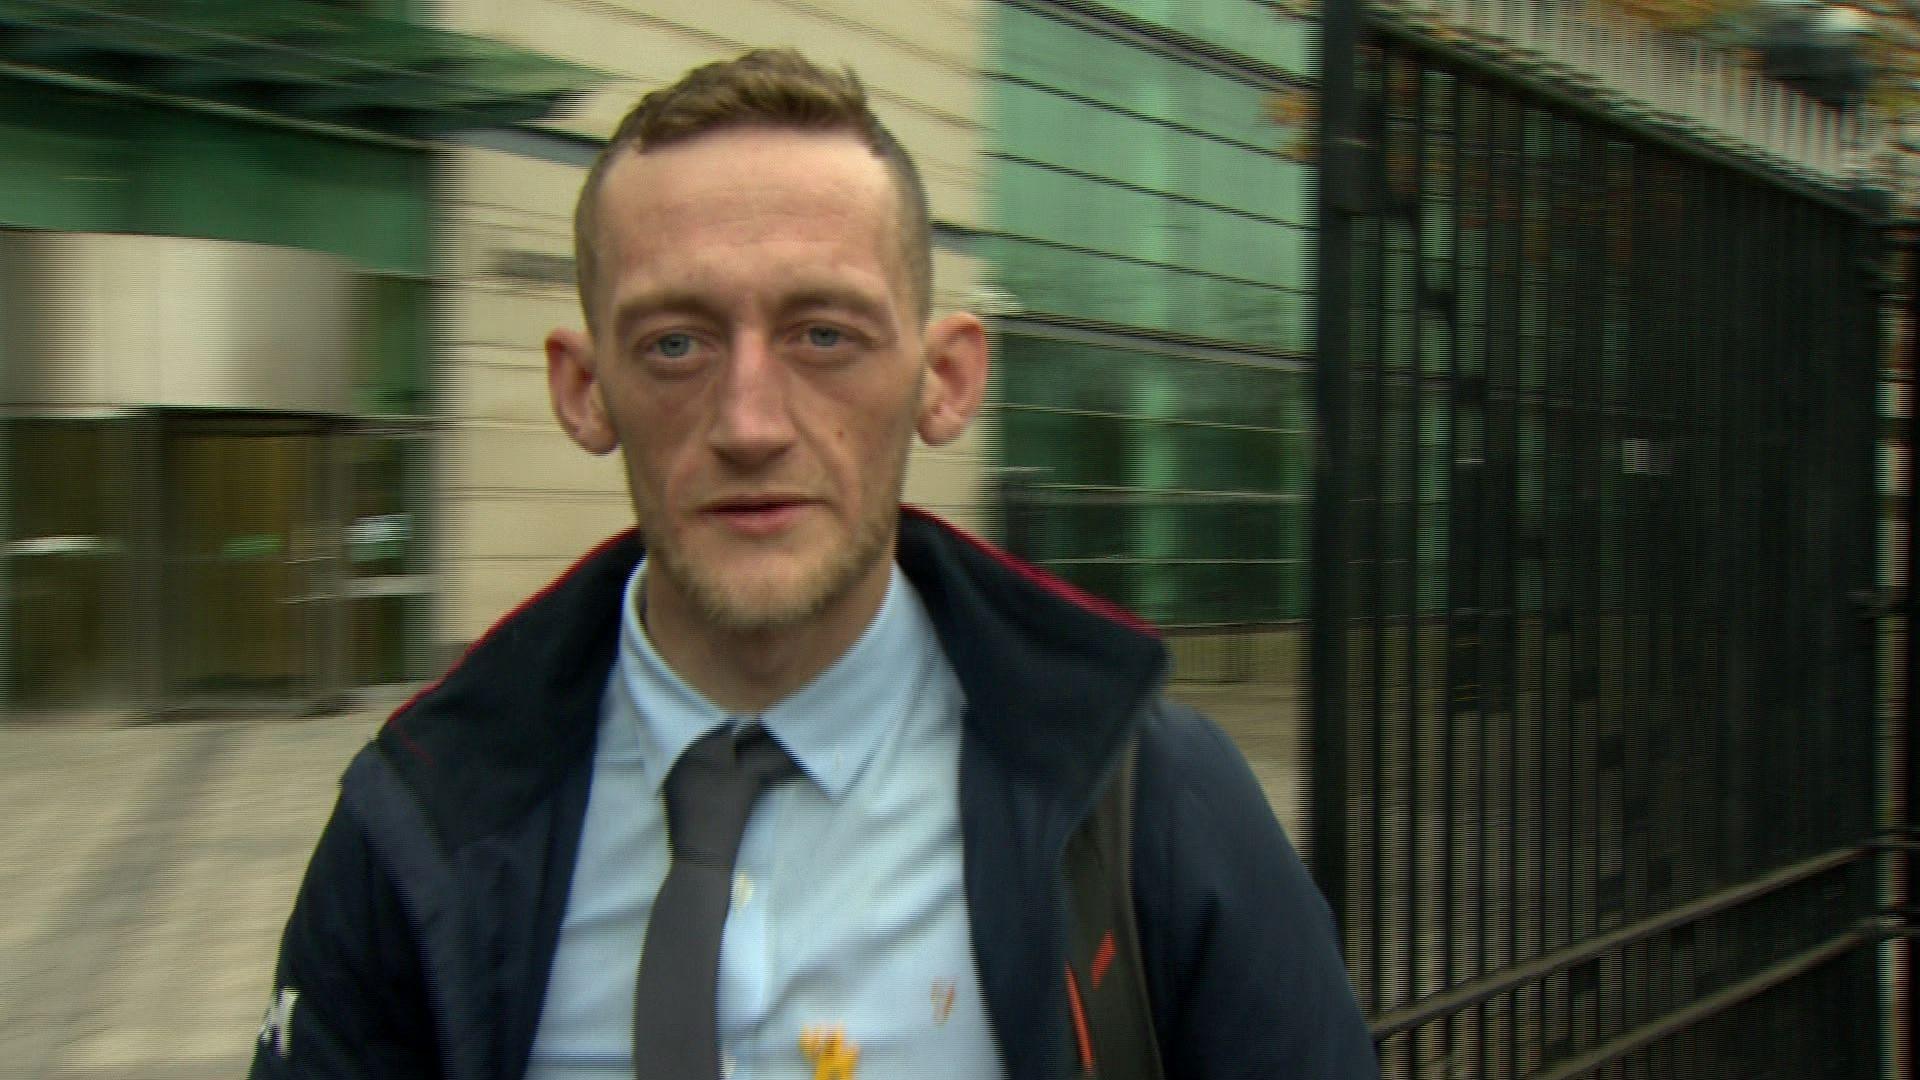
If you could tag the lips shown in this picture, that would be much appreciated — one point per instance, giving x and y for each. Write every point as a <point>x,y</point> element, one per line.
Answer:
<point>758,515</point>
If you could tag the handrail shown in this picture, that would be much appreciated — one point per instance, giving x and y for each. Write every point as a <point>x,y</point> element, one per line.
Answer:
<point>1478,990</point>
<point>1869,932</point>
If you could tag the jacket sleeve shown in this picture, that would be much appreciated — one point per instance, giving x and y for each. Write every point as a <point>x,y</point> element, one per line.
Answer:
<point>348,996</point>
<point>1243,965</point>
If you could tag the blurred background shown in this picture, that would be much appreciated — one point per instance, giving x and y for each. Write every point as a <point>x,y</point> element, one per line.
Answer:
<point>1502,406</point>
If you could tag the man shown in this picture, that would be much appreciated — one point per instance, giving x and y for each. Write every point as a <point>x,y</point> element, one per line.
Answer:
<point>503,889</point>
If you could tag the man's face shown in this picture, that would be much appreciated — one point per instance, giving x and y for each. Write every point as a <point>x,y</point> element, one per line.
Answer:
<point>757,359</point>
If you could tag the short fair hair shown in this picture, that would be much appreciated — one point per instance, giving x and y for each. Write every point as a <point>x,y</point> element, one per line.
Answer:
<point>775,88</point>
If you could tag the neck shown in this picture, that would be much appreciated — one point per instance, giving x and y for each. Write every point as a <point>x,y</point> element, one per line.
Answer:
<point>747,669</point>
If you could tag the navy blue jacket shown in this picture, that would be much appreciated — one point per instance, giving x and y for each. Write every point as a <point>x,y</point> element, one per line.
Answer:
<point>423,933</point>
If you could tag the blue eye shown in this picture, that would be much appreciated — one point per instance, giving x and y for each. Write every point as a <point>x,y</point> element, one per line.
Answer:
<point>674,346</point>
<point>823,337</point>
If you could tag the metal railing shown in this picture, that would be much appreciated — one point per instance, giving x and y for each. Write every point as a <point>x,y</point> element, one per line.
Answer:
<point>1594,731</point>
<point>1444,1007</point>
<point>1678,81</point>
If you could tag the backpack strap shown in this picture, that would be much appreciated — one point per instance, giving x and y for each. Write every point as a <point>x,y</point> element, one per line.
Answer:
<point>1113,1036</point>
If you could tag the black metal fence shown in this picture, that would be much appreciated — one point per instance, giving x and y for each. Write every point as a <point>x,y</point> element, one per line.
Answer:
<point>1594,762</point>
<point>1899,645</point>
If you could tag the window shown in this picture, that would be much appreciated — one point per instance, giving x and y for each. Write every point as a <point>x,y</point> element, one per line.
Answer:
<point>1164,457</point>
<point>389,592</point>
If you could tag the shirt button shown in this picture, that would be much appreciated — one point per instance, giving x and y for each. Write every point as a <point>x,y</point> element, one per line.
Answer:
<point>742,891</point>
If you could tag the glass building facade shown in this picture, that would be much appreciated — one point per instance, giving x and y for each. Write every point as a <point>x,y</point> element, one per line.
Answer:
<point>175,530</point>
<point>1157,240</point>
<point>164,552</point>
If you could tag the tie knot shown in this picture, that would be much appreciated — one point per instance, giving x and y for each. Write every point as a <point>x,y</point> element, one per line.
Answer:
<point>711,791</point>
<point>758,754</point>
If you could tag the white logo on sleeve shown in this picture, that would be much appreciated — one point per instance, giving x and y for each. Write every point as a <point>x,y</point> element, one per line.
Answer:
<point>276,1028</point>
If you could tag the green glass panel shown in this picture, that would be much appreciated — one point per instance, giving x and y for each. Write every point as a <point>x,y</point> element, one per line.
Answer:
<point>1475,210</point>
<point>1047,52</point>
<point>1049,205</point>
<point>1237,311</point>
<point>1192,478</point>
<point>1401,297</point>
<point>395,342</point>
<point>1052,53</point>
<point>1077,283</point>
<point>1530,506</point>
<point>341,63</point>
<point>1397,443</point>
<point>1063,375</point>
<point>1436,344</point>
<point>1115,290</point>
<point>1437,181</point>
<point>1249,179</point>
<point>1236,246</point>
<point>1248,27</point>
<point>1190,457</point>
<point>65,165</point>
<point>1073,450</point>
<point>1396,561</point>
<point>1040,125</point>
<point>1472,301</point>
<point>1436,471</point>
<point>1198,233</point>
<point>98,164</point>
<point>1436,466</point>
<point>1221,105</point>
<point>206,176</point>
<point>1140,191</point>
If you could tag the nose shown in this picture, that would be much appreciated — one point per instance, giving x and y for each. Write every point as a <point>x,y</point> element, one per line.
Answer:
<point>752,418</point>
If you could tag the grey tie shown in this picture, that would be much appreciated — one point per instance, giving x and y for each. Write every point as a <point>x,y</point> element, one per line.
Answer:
<point>710,795</point>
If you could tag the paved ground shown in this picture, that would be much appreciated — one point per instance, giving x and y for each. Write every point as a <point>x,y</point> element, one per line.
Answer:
<point>146,868</point>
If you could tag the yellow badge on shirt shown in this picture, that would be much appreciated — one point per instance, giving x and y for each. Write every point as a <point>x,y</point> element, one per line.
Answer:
<point>833,1056</point>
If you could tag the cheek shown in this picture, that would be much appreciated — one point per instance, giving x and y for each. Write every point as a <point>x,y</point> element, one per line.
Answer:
<point>880,450</point>
<point>657,454</point>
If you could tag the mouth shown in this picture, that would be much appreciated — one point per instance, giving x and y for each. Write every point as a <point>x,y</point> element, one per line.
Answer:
<point>758,515</point>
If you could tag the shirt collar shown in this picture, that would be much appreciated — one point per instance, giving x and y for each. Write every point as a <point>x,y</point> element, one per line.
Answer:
<point>831,727</point>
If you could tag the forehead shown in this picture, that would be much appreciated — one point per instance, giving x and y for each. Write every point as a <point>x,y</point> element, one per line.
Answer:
<point>743,186</point>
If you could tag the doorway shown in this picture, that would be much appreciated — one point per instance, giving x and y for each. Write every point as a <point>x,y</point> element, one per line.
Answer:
<point>247,560</point>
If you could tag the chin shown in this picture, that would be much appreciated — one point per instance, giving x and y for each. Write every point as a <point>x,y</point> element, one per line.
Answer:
<point>765,590</point>
<point>739,599</point>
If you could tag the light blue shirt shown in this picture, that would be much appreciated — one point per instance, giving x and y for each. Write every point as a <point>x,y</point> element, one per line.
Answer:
<point>849,909</point>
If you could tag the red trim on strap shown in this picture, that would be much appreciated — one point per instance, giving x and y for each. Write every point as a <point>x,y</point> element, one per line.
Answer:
<point>407,740</point>
<point>1080,1022</point>
<point>1103,959</point>
<point>598,549</point>
<point>1070,593</point>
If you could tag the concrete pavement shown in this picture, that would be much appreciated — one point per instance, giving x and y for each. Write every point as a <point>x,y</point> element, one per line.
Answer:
<point>146,869</point>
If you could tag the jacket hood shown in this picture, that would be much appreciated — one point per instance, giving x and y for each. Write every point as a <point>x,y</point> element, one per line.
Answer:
<point>1052,677</point>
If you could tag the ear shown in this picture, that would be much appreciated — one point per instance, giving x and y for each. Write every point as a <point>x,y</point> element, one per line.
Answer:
<point>574,388</point>
<point>956,381</point>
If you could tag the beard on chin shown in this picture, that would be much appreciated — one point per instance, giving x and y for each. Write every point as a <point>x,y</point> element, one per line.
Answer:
<point>744,609</point>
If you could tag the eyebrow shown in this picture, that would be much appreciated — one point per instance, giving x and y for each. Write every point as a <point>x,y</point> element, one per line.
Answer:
<point>686,302</point>
<point>652,303</point>
<point>835,296</point>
